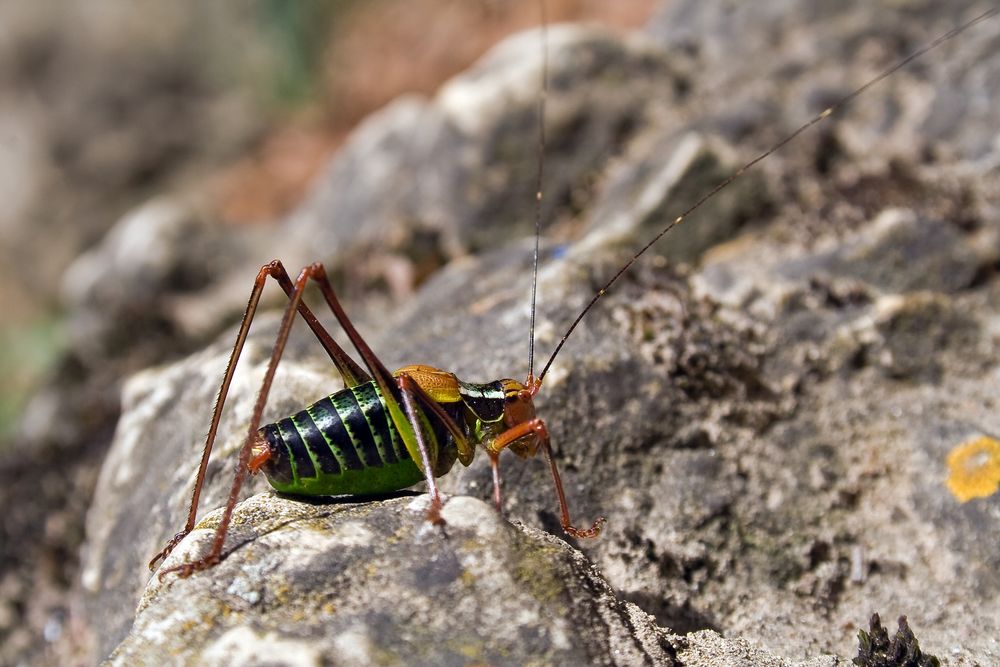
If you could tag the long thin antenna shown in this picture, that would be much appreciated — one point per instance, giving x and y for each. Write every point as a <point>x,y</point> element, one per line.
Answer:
<point>739,172</point>
<point>538,183</point>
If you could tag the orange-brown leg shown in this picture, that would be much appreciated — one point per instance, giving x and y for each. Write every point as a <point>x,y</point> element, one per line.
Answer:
<point>351,372</point>
<point>242,467</point>
<point>537,426</point>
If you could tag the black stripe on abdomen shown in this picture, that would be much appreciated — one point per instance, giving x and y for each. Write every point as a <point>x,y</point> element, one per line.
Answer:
<point>357,426</point>
<point>349,430</point>
<point>330,421</point>
<point>302,426</point>
<point>370,401</point>
<point>301,460</point>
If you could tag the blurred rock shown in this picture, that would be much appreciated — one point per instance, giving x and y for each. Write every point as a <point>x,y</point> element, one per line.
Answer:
<point>429,180</point>
<point>121,293</point>
<point>462,167</point>
<point>102,108</point>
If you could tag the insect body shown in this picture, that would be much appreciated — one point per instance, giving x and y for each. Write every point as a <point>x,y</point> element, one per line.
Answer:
<point>346,443</point>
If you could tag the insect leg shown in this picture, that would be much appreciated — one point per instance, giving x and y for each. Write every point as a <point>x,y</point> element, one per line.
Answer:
<point>215,553</point>
<point>349,369</point>
<point>495,465</point>
<point>434,513</point>
<point>537,426</point>
<point>352,373</point>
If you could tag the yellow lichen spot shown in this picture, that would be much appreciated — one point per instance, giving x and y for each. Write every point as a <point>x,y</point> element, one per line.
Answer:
<point>974,469</point>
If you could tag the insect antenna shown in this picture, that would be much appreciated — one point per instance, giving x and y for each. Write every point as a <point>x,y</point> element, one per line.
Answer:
<point>538,186</point>
<point>833,108</point>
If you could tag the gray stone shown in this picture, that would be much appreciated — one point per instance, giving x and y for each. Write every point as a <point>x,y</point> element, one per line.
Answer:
<point>360,583</point>
<point>375,584</point>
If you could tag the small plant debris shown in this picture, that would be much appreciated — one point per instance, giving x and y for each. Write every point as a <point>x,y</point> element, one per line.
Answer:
<point>876,649</point>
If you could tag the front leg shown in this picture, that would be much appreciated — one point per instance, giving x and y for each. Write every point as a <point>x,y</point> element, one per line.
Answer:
<point>162,555</point>
<point>537,428</point>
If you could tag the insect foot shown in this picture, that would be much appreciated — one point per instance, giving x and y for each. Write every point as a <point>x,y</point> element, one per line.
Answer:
<point>593,531</point>
<point>434,512</point>
<point>162,555</point>
<point>185,570</point>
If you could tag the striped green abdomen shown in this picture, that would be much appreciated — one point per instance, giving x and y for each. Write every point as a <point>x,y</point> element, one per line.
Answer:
<point>342,444</point>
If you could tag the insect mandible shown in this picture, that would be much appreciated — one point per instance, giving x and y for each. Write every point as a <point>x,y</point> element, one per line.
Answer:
<point>386,430</point>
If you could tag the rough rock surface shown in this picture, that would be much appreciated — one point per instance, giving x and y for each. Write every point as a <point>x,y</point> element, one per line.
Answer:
<point>766,413</point>
<point>299,589</point>
<point>372,583</point>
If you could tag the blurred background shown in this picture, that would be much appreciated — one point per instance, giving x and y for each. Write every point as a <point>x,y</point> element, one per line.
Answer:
<point>230,108</point>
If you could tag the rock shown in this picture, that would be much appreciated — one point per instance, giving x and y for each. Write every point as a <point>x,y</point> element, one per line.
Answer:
<point>899,253</point>
<point>664,175</point>
<point>852,476</point>
<point>374,584</point>
<point>349,583</point>
<point>809,73</point>
<point>123,294</point>
<point>468,144</point>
